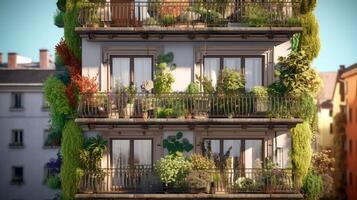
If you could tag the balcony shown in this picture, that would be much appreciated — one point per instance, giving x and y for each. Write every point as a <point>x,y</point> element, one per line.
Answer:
<point>144,180</point>
<point>185,106</point>
<point>194,14</point>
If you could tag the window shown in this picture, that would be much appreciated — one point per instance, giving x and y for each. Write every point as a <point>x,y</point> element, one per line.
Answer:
<point>242,153</point>
<point>51,139</point>
<point>16,138</point>
<point>130,69</point>
<point>251,66</point>
<point>331,128</point>
<point>17,175</point>
<point>16,100</point>
<point>131,153</point>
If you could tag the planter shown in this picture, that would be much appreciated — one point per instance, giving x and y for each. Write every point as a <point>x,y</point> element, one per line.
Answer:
<point>261,105</point>
<point>129,110</point>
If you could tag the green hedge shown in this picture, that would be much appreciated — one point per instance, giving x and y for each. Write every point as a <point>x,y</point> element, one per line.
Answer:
<point>72,142</point>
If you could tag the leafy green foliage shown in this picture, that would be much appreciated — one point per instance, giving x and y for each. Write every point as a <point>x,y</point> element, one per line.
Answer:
<point>168,20</point>
<point>312,186</point>
<point>58,19</point>
<point>307,6</point>
<point>301,151</point>
<point>177,143</point>
<point>166,113</point>
<point>163,78</point>
<point>296,76</point>
<point>295,42</point>
<point>339,175</point>
<point>54,182</point>
<point>260,91</point>
<point>230,82</point>
<point>172,169</point>
<point>193,88</point>
<point>310,39</point>
<point>61,5</point>
<point>200,162</point>
<point>206,84</point>
<point>72,38</point>
<point>72,142</point>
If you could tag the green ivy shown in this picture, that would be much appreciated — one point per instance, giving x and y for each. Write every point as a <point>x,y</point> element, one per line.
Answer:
<point>72,38</point>
<point>177,143</point>
<point>58,19</point>
<point>301,151</point>
<point>72,142</point>
<point>296,75</point>
<point>310,39</point>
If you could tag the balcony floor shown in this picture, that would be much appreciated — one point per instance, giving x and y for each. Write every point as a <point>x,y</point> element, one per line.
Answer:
<point>190,196</point>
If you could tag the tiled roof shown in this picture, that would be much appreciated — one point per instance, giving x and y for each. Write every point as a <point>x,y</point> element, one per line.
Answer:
<point>326,92</point>
<point>25,76</point>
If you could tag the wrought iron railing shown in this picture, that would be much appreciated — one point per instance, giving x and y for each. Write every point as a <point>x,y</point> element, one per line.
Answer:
<point>144,179</point>
<point>185,105</point>
<point>195,13</point>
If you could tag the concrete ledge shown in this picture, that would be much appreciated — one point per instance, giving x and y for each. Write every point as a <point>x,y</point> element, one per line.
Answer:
<point>189,196</point>
<point>174,121</point>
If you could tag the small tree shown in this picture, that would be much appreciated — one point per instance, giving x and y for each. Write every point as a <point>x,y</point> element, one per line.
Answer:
<point>230,81</point>
<point>163,78</point>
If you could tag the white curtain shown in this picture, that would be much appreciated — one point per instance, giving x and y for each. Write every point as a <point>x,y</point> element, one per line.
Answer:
<point>253,72</point>
<point>232,63</point>
<point>142,71</point>
<point>142,152</point>
<point>253,154</point>
<point>211,69</point>
<point>120,153</point>
<point>121,72</point>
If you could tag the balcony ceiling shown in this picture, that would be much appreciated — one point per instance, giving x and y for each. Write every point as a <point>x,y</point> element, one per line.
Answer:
<point>188,33</point>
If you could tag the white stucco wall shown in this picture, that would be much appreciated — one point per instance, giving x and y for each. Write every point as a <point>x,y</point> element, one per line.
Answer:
<point>33,120</point>
<point>185,56</point>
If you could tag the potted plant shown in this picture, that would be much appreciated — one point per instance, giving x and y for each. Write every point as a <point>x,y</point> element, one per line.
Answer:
<point>200,177</point>
<point>130,93</point>
<point>260,93</point>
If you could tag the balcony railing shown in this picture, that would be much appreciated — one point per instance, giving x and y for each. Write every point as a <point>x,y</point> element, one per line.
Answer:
<point>189,13</point>
<point>144,179</point>
<point>185,105</point>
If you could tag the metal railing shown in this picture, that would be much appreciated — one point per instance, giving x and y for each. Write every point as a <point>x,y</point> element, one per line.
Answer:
<point>144,179</point>
<point>189,13</point>
<point>185,105</point>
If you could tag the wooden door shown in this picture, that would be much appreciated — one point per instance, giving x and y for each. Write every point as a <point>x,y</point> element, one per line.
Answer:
<point>123,13</point>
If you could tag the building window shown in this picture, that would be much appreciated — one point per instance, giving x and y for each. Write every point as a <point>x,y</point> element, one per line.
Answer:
<point>127,153</point>
<point>16,100</point>
<point>131,69</point>
<point>17,175</point>
<point>331,128</point>
<point>17,138</point>
<point>243,153</point>
<point>51,140</point>
<point>250,66</point>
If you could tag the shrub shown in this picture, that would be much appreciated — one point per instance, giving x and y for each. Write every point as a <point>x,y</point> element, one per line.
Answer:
<point>310,39</point>
<point>58,19</point>
<point>199,162</point>
<point>163,78</point>
<point>230,82</point>
<point>172,170</point>
<point>312,186</point>
<point>260,91</point>
<point>206,84</point>
<point>54,182</point>
<point>301,150</point>
<point>193,88</point>
<point>72,142</point>
<point>72,38</point>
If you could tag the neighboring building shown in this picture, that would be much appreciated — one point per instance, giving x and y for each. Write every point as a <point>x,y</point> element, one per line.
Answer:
<point>325,111</point>
<point>242,127</point>
<point>350,79</point>
<point>24,122</point>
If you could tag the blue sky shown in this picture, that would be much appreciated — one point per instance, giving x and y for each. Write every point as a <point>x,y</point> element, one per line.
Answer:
<point>27,25</point>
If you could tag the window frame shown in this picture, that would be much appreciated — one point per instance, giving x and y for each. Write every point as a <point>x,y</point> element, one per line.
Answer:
<point>14,180</point>
<point>19,134</point>
<point>242,63</point>
<point>131,150</point>
<point>13,106</point>
<point>131,67</point>
<point>242,148</point>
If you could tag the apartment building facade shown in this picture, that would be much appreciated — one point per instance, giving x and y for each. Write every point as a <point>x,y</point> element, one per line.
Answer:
<point>125,51</point>
<point>350,83</point>
<point>24,122</point>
